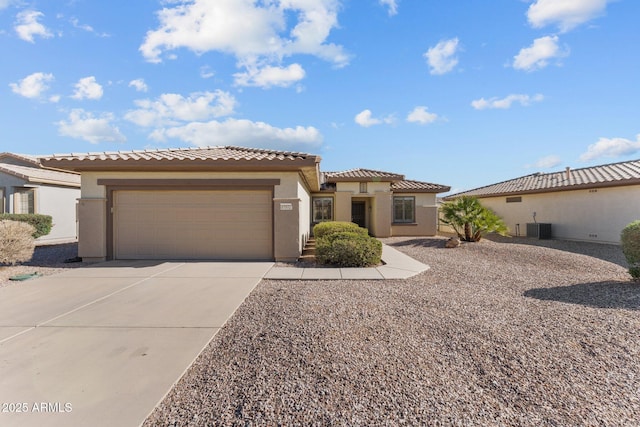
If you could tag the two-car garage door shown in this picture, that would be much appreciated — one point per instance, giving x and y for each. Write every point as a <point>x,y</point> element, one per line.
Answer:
<point>185,224</point>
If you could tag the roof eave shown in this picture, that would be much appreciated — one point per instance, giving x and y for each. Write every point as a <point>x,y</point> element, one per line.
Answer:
<point>422,190</point>
<point>624,183</point>
<point>365,179</point>
<point>78,165</point>
<point>55,182</point>
<point>30,160</point>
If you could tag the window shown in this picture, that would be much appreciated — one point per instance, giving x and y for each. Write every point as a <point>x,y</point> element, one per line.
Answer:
<point>363,187</point>
<point>1,200</point>
<point>404,209</point>
<point>24,201</point>
<point>322,209</point>
<point>517,199</point>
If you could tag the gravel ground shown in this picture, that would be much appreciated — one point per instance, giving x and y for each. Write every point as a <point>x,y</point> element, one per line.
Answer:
<point>501,332</point>
<point>47,259</point>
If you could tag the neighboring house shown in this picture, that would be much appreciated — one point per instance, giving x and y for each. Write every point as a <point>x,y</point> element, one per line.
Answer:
<point>231,203</point>
<point>28,187</point>
<point>590,204</point>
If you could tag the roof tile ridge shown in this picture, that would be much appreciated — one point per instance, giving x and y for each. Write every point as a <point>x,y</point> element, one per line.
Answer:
<point>496,184</point>
<point>418,181</point>
<point>605,165</point>
<point>268,151</point>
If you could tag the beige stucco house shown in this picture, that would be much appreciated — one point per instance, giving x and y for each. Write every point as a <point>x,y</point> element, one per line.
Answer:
<point>28,187</point>
<point>231,203</point>
<point>588,204</point>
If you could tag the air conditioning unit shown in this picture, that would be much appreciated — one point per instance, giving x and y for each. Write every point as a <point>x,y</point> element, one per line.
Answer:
<point>539,230</point>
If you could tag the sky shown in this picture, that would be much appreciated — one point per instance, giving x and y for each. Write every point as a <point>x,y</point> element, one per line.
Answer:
<point>462,93</point>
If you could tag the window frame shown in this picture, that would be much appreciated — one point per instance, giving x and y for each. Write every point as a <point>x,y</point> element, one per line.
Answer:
<point>412,209</point>
<point>330,207</point>
<point>18,203</point>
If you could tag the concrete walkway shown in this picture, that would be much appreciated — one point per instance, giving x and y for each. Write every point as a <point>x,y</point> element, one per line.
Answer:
<point>396,266</point>
<point>102,345</point>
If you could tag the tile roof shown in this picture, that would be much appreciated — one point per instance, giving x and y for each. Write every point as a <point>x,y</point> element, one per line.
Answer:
<point>6,157</point>
<point>410,186</point>
<point>398,183</point>
<point>221,158</point>
<point>41,175</point>
<point>206,153</point>
<point>361,175</point>
<point>609,175</point>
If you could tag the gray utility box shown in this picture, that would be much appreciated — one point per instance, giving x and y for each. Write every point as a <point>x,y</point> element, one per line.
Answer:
<point>539,230</point>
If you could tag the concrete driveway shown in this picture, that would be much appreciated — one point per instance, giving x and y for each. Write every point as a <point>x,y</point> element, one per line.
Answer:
<point>102,345</point>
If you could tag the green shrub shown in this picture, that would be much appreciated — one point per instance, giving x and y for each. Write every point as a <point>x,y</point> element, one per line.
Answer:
<point>471,220</point>
<point>16,242</point>
<point>41,223</point>
<point>329,227</point>
<point>348,249</point>
<point>630,240</point>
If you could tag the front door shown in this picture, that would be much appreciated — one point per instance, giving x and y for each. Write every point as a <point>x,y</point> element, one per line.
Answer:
<point>358,213</point>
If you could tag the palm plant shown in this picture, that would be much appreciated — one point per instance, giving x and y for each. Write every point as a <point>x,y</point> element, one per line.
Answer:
<point>471,220</point>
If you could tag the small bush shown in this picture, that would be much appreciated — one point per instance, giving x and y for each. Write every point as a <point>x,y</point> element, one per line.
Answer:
<point>471,220</point>
<point>41,223</point>
<point>630,240</point>
<point>16,242</point>
<point>328,227</point>
<point>348,249</point>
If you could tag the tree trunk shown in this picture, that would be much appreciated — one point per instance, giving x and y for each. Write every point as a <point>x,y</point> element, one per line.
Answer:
<point>467,232</point>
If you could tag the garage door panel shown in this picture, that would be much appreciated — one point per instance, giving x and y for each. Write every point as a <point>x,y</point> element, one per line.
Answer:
<point>193,225</point>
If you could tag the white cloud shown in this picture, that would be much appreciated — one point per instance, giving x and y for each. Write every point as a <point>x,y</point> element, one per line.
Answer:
<point>256,33</point>
<point>506,102</point>
<point>365,119</point>
<point>76,23</point>
<point>27,26</point>
<point>392,6</point>
<point>567,14</point>
<point>243,133</point>
<point>546,162</point>
<point>206,72</point>
<point>270,76</point>
<point>32,86</point>
<point>83,125</point>
<point>6,3</point>
<point>172,109</point>
<point>537,56</point>
<point>87,88</point>
<point>611,147</point>
<point>139,85</point>
<point>441,58</point>
<point>422,116</point>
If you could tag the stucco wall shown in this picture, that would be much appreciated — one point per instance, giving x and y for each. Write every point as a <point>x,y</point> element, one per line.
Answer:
<point>305,214</point>
<point>426,217</point>
<point>342,206</point>
<point>597,215</point>
<point>382,208</point>
<point>372,187</point>
<point>288,187</point>
<point>60,203</point>
<point>8,182</point>
<point>290,190</point>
